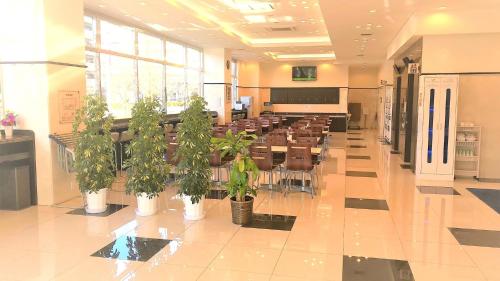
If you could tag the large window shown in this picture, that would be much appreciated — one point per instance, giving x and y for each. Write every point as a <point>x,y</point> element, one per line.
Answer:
<point>118,84</point>
<point>125,64</point>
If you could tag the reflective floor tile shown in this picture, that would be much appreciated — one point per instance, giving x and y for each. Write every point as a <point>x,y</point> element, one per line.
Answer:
<point>247,259</point>
<point>450,254</point>
<point>490,197</point>
<point>441,272</point>
<point>361,174</point>
<point>309,266</point>
<point>357,146</point>
<point>260,238</point>
<point>440,190</point>
<point>270,221</point>
<point>360,157</point>
<point>151,271</point>
<point>477,237</point>
<point>360,203</point>
<point>112,208</point>
<point>231,275</point>
<point>132,248</point>
<point>373,269</point>
<point>216,194</point>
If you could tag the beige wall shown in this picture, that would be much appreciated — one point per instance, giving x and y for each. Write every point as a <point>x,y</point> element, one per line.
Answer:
<point>478,102</point>
<point>279,74</point>
<point>248,79</point>
<point>386,72</point>
<point>461,53</point>
<point>360,77</point>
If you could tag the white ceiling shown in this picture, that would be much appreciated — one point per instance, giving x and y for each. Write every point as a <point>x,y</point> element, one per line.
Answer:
<point>318,26</point>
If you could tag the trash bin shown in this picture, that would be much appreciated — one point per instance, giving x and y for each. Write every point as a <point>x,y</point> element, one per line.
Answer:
<point>15,191</point>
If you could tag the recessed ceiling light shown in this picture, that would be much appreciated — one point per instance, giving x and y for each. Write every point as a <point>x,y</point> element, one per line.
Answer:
<point>358,26</point>
<point>356,40</point>
<point>379,26</point>
<point>288,18</point>
<point>101,6</point>
<point>373,11</point>
<point>304,2</point>
<point>255,18</point>
<point>306,7</point>
<point>142,3</point>
<point>368,24</point>
<point>443,8</point>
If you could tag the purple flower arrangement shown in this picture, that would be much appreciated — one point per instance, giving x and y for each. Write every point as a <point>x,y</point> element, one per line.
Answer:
<point>9,119</point>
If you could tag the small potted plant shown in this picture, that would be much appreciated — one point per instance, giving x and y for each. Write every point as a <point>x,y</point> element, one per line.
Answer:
<point>194,170</point>
<point>8,123</point>
<point>93,152</point>
<point>243,174</point>
<point>146,168</point>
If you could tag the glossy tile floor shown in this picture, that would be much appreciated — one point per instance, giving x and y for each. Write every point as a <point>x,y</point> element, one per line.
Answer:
<point>401,233</point>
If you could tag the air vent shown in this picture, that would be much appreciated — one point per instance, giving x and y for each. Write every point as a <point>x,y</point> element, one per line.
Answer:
<point>366,34</point>
<point>282,29</point>
<point>361,55</point>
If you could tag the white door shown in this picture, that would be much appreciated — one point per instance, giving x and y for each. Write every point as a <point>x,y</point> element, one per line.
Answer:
<point>432,86</point>
<point>446,114</point>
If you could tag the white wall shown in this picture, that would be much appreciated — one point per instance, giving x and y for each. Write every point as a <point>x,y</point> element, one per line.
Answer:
<point>48,30</point>
<point>461,53</point>
<point>363,77</point>
<point>217,79</point>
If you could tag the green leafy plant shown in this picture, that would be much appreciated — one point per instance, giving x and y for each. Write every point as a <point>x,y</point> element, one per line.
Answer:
<point>94,146</point>
<point>194,136</point>
<point>243,171</point>
<point>147,171</point>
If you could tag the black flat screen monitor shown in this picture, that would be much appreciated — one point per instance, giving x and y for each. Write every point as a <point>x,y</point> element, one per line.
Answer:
<point>304,73</point>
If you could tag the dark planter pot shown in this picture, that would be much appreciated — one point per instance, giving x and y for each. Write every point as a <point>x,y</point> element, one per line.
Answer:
<point>242,211</point>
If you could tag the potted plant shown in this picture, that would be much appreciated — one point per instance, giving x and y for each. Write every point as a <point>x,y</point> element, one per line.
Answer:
<point>243,174</point>
<point>8,123</point>
<point>93,152</point>
<point>147,170</point>
<point>194,170</point>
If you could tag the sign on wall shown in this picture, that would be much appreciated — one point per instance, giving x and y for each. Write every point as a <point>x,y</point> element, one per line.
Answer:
<point>69,102</point>
<point>413,68</point>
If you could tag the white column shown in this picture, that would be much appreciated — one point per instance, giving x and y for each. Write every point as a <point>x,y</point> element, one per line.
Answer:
<point>42,53</point>
<point>217,82</point>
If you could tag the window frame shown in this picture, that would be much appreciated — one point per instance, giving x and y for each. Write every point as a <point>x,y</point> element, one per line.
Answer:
<point>98,50</point>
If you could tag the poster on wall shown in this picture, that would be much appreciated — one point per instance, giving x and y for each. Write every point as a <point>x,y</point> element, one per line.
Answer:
<point>68,104</point>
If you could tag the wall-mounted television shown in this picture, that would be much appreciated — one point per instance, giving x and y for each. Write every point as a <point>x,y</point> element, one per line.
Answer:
<point>304,73</point>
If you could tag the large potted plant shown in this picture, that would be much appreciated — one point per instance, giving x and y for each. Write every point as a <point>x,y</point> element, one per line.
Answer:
<point>194,170</point>
<point>147,171</point>
<point>93,152</point>
<point>243,174</point>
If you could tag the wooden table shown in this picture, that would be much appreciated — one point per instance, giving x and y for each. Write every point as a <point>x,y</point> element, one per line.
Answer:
<point>276,148</point>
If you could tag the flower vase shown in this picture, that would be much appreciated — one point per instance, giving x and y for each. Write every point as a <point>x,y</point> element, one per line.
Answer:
<point>8,131</point>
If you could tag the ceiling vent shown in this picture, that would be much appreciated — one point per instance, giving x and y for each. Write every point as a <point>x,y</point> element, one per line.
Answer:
<point>366,34</point>
<point>282,29</point>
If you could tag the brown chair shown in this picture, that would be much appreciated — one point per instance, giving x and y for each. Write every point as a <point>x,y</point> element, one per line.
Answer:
<point>262,155</point>
<point>171,137</point>
<point>299,160</point>
<point>218,163</point>
<point>277,140</point>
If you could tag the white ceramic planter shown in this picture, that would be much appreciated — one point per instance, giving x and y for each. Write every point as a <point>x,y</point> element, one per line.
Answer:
<point>8,131</point>
<point>145,205</point>
<point>96,202</point>
<point>193,211</point>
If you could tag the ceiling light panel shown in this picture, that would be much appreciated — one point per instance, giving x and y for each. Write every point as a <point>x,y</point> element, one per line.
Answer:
<point>250,6</point>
